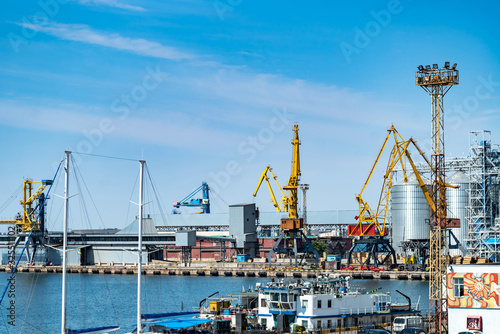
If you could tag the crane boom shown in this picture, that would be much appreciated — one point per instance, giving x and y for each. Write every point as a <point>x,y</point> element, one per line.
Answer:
<point>372,223</point>
<point>376,160</point>
<point>293,180</point>
<point>203,202</point>
<point>263,177</point>
<point>290,202</point>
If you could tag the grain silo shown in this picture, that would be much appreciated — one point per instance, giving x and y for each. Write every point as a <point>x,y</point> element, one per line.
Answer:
<point>457,200</point>
<point>410,213</point>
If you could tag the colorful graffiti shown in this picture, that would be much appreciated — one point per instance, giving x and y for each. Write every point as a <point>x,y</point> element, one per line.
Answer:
<point>469,290</point>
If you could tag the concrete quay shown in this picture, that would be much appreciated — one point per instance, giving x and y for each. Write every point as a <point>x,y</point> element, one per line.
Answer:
<point>238,270</point>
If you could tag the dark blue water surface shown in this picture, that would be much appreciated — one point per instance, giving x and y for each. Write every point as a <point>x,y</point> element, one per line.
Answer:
<point>102,300</point>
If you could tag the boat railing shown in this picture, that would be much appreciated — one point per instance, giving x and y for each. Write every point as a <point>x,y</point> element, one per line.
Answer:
<point>364,310</point>
<point>281,305</point>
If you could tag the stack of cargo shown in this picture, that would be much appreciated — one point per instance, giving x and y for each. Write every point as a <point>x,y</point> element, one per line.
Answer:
<point>469,260</point>
<point>483,260</point>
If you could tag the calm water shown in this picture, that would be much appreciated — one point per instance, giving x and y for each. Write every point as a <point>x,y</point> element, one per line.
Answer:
<point>102,300</point>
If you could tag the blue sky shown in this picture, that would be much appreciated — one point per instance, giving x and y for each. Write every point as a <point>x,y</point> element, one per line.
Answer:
<point>209,91</point>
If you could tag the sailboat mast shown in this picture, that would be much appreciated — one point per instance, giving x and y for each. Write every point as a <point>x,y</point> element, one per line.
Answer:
<point>139,263</point>
<point>65,242</point>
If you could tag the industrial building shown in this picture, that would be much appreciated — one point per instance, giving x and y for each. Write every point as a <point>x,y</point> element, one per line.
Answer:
<point>474,200</point>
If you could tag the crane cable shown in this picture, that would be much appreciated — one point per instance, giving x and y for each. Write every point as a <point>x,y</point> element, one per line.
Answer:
<point>14,195</point>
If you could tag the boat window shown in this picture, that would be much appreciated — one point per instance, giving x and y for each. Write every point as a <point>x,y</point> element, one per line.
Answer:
<point>318,324</point>
<point>264,322</point>
<point>458,286</point>
<point>274,297</point>
<point>304,323</point>
<point>329,303</point>
<point>329,324</point>
<point>304,303</point>
<point>319,303</point>
<point>263,302</point>
<point>284,297</point>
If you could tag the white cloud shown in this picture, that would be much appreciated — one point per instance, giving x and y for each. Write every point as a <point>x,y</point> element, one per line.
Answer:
<point>170,131</point>
<point>83,33</point>
<point>262,93</point>
<point>250,54</point>
<point>112,3</point>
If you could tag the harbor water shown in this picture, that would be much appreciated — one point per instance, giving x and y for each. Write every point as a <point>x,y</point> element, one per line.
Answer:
<point>107,300</point>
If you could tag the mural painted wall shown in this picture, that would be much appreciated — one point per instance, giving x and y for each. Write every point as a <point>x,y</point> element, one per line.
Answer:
<point>469,290</point>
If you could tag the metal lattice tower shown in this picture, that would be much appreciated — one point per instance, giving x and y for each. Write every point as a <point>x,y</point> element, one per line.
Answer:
<point>437,82</point>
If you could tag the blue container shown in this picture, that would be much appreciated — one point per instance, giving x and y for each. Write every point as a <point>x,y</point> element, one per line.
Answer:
<point>242,258</point>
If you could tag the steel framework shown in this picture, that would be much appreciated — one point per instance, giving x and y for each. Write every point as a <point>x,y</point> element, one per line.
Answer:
<point>483,216</point>
<point>483,190</point>
<point>437,82</point>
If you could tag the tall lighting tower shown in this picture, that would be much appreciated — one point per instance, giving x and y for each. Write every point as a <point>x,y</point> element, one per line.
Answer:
<point>437,82</point>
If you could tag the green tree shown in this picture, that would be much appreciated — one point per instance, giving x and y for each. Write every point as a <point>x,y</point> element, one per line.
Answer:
<point>320,247</point>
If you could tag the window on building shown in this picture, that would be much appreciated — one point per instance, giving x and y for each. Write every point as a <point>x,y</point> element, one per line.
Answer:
<point>458,286</point>
<point>319,303</point>
<point>329,303</point>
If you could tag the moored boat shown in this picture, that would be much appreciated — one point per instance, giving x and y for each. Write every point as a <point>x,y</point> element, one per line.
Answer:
<point>327,302</point>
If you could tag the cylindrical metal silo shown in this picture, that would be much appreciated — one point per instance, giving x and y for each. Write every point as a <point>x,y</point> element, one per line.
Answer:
<point>457,200</point>
<point>409,211</point>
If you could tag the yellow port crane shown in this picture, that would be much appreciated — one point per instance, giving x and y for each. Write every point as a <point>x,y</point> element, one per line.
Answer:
<point>289,202</point>
<point>370,222</point>
<point>293,180</point>
<point>30,218</point>
<point>291,228</point>
<point>370,229</point>
<point>30,224</point>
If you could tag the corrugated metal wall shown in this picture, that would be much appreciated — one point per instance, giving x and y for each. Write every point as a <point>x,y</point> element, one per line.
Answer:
<point>457,200</point>
<point>409,213</point>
